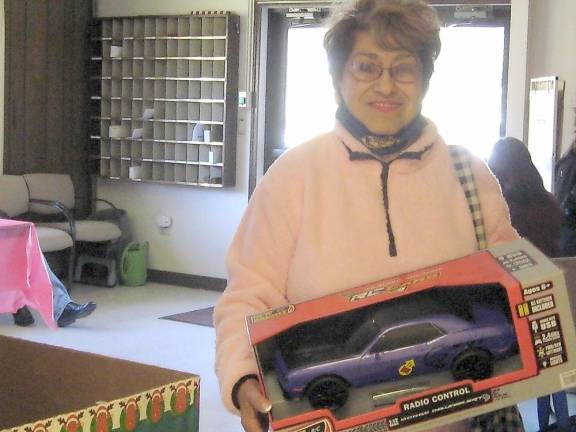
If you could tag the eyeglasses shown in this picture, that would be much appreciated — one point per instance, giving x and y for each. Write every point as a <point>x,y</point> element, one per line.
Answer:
<point>405,73</point>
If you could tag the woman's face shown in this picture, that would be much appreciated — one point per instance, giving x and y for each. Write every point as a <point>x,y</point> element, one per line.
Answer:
<point>381,88</point>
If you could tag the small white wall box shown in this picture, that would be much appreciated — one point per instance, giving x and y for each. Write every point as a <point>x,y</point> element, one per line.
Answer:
<point>163,221</point>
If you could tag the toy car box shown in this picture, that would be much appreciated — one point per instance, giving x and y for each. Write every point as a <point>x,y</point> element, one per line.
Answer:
<point>51,389</point>
<point>422,349</point>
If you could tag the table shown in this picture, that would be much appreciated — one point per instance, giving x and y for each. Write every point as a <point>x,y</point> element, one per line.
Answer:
<point>23,276</point>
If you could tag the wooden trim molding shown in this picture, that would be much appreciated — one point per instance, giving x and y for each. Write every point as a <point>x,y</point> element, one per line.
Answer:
<point>187,280</point>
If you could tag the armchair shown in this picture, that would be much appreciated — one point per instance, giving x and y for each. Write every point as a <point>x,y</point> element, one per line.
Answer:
<point>15,204</point>
<point>52,194</point>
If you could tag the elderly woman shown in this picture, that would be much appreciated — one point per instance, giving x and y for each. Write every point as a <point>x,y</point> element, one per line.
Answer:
<point>375,197</point>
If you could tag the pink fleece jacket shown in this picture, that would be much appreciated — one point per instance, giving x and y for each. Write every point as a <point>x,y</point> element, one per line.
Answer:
<point>316,225</point>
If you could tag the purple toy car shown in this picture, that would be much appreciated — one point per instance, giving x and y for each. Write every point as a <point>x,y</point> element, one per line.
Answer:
<point>390,342</point>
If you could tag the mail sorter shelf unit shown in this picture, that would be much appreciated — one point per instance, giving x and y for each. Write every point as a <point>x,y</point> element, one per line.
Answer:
<point>164,98</point>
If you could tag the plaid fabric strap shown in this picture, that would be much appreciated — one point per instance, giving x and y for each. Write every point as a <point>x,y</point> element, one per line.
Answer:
<point>506,419</point>
<point>463,167</point>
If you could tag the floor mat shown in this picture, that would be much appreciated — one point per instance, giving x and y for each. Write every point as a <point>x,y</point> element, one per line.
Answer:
<point>201,317</point>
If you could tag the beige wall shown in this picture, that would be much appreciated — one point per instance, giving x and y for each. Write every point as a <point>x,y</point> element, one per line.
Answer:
<point>552,40</point>
<point>204,221</point>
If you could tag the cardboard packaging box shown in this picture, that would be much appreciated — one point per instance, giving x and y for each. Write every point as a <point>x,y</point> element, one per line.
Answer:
<point>51,389</point>
<point>422,349</point>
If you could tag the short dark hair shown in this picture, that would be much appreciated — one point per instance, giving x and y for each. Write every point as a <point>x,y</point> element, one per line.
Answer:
<point>411,25</point>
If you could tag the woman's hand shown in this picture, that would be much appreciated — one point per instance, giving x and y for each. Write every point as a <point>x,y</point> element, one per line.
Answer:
<point>254,407</point>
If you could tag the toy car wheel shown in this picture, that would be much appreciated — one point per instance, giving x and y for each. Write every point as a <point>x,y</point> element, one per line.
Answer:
<point>475,364</point>
<point>327,392</point>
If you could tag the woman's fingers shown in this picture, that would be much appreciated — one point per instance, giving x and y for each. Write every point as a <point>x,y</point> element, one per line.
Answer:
<point>253,407</point>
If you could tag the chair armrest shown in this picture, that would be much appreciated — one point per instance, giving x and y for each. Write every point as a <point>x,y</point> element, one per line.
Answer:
<point>105,201</point>
<point>65,211</point>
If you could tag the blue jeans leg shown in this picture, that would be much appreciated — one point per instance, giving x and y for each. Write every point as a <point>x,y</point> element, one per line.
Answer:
<point>60,296</point>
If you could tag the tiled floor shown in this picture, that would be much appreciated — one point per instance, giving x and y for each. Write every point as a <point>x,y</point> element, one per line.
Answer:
<point>126,326</point>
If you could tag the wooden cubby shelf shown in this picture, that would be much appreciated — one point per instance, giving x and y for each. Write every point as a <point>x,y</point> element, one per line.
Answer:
<point>163,98</point>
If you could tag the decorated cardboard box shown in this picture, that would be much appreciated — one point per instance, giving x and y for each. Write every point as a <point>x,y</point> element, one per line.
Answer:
<point>422,349</point>
<point>51,389</point>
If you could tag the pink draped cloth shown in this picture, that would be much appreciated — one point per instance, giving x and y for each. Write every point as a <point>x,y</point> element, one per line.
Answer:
<point>23,276</point>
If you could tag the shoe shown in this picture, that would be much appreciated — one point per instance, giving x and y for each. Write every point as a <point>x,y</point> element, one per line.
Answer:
<point>74,311</point>
<point>23,317</point>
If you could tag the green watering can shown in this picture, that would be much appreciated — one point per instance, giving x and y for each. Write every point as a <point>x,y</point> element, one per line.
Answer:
<point>134,258</point>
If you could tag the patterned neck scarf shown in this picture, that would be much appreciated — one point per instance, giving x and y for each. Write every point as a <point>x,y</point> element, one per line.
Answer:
<point>381,145</point>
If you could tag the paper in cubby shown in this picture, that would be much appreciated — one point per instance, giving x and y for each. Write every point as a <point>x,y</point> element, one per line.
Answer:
<point>216,154</point>
<point>148,113</point>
